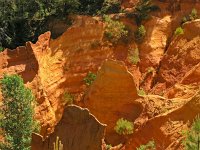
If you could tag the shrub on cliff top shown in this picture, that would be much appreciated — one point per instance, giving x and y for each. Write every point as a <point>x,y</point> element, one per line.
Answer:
<point>114,30</point>
<point>142,11</point>
<point>192,16</point>
<point>124,127</point>
<point>111,6</point>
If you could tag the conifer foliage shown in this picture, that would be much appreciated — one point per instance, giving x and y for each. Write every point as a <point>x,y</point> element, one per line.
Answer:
<point>17,114</point>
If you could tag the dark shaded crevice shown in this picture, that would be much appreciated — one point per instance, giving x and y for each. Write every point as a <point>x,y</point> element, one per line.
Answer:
<point>155,78</point>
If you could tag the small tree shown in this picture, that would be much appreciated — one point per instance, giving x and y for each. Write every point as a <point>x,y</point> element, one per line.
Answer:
<point>192,140</point>
<point>124,127</point>
<point>17,121</point>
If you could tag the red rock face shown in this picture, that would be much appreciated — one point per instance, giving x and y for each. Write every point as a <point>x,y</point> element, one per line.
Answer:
<point>112,96</point>
<point>78,129</point>
<point>182,55</point>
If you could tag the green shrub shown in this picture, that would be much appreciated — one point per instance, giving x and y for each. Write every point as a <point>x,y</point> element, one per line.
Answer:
<point>150,70</point>
<point>114,30</point>
<point>124,127</point>
<point>192,16</point>
<point>111,6</point>
<point>89,79</point>
<point>141,92</point>
<point>179,31</point>
<point>192,140</point>
<point>133,56</point>
<point>1,49</point>
<point>58,144</point>
<point>68,98</point>
<point>149,146</point>
<point>108,147</point>
<point>142,11</point>
<point>140,34</point>
<point>17,123</point>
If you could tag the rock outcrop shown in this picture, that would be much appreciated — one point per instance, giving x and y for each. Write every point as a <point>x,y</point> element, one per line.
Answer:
<point>182,55</point>
<point>77,130</point>
<point>166,129</point>
<point>112,96</point>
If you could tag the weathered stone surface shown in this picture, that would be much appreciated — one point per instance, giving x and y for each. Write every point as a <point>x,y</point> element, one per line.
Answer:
<point>182,55</point>
<point>77,130</point>
<point>112,96</point>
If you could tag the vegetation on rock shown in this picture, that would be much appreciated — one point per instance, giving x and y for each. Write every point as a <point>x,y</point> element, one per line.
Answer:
<point>192,16</point>
<point>140,34</point>
<point>192,140</point>
<point>17,122</point>
<point>114,30</point>
<point>89,79</point>
<point>179,31</point>
<point>111,6</point>
<point>142,11</point>
<point>149,146</point>
<point>124,127</point>
<point>68,98</point>
<point>133,56</point>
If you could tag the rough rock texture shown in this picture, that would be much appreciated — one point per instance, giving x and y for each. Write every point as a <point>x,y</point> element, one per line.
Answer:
<point>182,55</point>
<point>112,96</point>
<point>77,130</point>
<point>166,129</point>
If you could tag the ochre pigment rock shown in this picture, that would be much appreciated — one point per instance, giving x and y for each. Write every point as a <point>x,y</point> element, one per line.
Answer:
<point>77,130</point>
<point>112,96</point>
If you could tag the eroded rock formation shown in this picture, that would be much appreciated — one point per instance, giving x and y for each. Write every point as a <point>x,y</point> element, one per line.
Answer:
<point>112,96</point>
<point>77,130</point>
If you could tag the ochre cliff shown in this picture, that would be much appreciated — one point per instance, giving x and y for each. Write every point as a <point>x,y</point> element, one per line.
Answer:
<point>112,96</point>
<point>77,130</point>
<point>53,67</point>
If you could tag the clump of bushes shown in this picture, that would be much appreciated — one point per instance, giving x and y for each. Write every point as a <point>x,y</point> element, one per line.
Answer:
<point>89,79</point>
<point>114,30</point>
<point>134,57</point>
<point>192,16</point>
<point>149,146</point>
<point>124,127</point>
<point>142,11</point>
<point>192,137</point>
<point>111,6</point>
<point>140,34</point>
<point>179,31</point>
<point>68,98</point>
